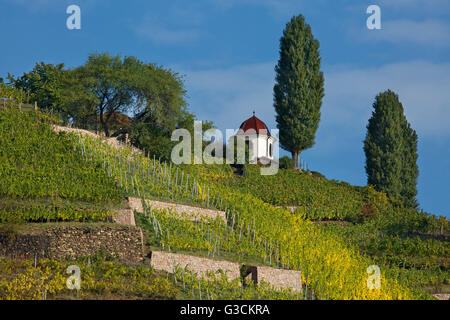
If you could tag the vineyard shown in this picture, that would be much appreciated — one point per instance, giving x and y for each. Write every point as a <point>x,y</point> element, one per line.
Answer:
<point>325,259</point>
<point>39,164</point>
<point>414,254</point>
<point>102,276</point>
<point>74,177</point>
<point>313,196</point>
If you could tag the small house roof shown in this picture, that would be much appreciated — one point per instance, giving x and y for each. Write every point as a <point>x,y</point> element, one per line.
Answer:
<point>253,124</point>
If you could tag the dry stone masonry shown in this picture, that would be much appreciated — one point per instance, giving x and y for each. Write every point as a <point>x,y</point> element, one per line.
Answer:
<point>124,242</point>
<point>165,261</point>
<point>442,296</point>
<point>183,211</point>
<point>290,208</point>
<point>125,216</point>
<point>280,278</point>
<point>277,278</point>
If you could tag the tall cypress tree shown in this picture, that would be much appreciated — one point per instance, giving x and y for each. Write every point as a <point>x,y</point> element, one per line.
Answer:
<point>298,91</point>
<point>391,150</point>
<point>410,170</point>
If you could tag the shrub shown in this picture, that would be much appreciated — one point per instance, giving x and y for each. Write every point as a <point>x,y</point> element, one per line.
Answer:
<point>286,163</point>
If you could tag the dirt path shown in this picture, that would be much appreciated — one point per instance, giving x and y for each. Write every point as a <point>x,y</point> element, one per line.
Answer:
<point>113,142</point>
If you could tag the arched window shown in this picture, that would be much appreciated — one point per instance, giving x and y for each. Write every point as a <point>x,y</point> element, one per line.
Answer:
<point>270,150</point>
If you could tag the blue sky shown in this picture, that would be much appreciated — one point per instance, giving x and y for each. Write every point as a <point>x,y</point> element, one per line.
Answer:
<point>227,50</point>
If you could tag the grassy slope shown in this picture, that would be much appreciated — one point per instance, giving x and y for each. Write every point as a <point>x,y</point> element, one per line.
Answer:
<point>324,256</point>
<point>44,178</point>
<point>323,252</point>
<point>102,277</point>
<point>408,244</point>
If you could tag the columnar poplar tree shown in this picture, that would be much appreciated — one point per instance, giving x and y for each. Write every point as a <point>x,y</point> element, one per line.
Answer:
<point>298,91</point>
<point>391,150</point>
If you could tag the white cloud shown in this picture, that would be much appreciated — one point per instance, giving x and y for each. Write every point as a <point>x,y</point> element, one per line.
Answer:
<point>278,6</point>
<point>228,96</point>
<point>181,22</point>
<point>45,5</point>
<point>413,3</point>
<point>422,88</point>
<point>160,34</point>
<point>428,33</point>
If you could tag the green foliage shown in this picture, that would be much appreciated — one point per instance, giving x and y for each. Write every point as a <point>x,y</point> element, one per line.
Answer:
<point>314,197</point>
<point>157,141</point>
<point>212,238</point>
<point>36,162</point>
<point>104,279</point>
<point>391,150</point>
<point>21,280</point>
<point>324,256</point>
<point>286,163</point>
<point>10,97</point>
<point>317,174</point>
<point>217,286</point>
<point>231,148</point>
<point>161,93</point>
<point>43,84</point>
<point>405,243</point>
<point>49,212</point>
<point>292,240</point>
<point>298,91</point>
<point>146,137</point>
<point>107,84</point>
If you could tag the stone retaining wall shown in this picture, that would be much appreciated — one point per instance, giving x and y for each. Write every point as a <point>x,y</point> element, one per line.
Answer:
<point>290,208</point>
<point>183,211</point>
<point>280,278</point>
<point>124,242</point>
<point>165,261</point>
<point>125,216</point>
<point>442,296</point>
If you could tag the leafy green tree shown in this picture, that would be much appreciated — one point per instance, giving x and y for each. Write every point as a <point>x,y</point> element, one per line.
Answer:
<point>410,169</point>
<point>158,143</point>
<point>161,99</point>
<point>161,110</point>
<point>106,86</point>
<point>286,163</point>
<point>118,95</point>
<point>298,91</point>
<point>108,83</point>
<point>79,101</point>
<point>390,147</point>
<point>43,84</point>
<point>231,150</point>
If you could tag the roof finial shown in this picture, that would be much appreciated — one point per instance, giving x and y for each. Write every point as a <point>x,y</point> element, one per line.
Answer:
<point>253,112</point>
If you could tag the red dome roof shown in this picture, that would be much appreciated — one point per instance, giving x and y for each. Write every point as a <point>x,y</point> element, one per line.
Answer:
<point>254,124</point>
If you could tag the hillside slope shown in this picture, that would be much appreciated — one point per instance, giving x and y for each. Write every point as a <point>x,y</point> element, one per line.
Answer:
<point>45,178</point>
<point>70,168</point>
<point>324,257</point>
